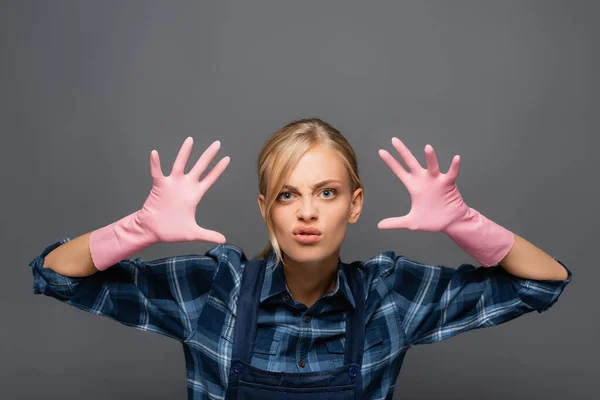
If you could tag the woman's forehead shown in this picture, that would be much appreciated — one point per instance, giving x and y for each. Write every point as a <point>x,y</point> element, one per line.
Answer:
<point>317,166</point>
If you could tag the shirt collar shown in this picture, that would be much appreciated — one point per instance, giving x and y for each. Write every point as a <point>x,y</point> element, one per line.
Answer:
<point>274,282</point>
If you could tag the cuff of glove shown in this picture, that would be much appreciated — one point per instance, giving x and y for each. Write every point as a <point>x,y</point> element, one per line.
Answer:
<point>484,240</point>
<point>117,241</point>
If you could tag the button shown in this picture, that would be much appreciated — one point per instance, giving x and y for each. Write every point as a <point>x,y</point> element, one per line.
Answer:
<point>307,318</point>
<point>301,363</point>
<point>352,372</point>
<point>287,297</point>
<point>238,368</point>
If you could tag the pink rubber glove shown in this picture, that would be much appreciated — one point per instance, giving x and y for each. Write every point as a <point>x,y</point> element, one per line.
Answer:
<point>169,213</point>
<point>437,206</point>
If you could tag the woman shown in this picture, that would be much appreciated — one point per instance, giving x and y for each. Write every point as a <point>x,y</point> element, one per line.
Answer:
<point>298,321</point>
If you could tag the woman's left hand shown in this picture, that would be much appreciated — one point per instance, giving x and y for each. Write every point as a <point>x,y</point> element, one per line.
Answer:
<point>436,202</point>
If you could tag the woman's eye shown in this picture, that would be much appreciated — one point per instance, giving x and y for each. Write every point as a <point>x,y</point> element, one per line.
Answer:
<point>285,196</point>
<point>332,191</point>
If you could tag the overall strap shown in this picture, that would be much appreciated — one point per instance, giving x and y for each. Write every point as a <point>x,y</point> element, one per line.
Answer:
<point>355,318</point>
<point>247,310</point>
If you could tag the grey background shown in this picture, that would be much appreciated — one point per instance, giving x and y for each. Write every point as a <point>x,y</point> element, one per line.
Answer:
<point>88,89</point>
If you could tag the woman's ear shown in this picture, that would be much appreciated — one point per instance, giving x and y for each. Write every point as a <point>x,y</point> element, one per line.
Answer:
<point>356,205</point>
<point>261,204</point>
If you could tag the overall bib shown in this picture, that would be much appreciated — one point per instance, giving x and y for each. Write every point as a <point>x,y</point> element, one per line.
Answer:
<point>251,383</point>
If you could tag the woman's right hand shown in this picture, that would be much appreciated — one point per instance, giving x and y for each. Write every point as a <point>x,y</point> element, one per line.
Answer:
<point>169,213</point>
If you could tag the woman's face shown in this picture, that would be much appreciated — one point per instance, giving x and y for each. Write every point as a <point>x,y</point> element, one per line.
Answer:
<point>308,201</point>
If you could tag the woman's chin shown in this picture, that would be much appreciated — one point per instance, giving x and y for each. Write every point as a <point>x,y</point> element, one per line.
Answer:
<point>305,254</point>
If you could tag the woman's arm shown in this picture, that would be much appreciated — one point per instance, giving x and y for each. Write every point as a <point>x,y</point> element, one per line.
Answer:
<point>168,215</point>
<point>72,258</point>
<point>163,296</point>
<point>438,206</point>
<point>436,302</point>
<point>529,262</point>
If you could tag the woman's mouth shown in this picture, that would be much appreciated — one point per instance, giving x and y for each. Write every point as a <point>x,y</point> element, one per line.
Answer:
<point>306,238</point>
<point>306,234</point>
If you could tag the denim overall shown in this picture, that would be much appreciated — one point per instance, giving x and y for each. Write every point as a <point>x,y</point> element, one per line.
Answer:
<point>248,382</point>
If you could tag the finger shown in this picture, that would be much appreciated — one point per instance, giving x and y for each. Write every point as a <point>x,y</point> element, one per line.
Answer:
<point>155,169</point>
<point>214,174</point>
<point>406,155</point>
<point>205,159</point>
<point>432,162</point>
<point>207,235</point>
<point>394,165</point>
<point>454,168</point>
<point>183,156</point>
<point>395,223</point>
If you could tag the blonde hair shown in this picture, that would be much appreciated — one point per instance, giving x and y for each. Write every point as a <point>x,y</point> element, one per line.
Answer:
<point>280,154</point>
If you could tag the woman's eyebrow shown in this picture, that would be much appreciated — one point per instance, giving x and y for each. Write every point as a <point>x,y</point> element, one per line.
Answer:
<point>315,186</point>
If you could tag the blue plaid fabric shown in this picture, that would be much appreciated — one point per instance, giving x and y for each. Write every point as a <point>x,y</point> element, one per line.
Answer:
<point>192,298</point>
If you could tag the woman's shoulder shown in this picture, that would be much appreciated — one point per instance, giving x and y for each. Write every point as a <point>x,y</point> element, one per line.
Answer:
<point>381,264</point>
<point>389,262</point>
<point>226,250</point>
<point>228,254</point>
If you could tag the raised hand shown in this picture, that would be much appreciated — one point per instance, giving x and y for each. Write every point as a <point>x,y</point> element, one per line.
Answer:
<point>169,213</point>
<point>436,202</point>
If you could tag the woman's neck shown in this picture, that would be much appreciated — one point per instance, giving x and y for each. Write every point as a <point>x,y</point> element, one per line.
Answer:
<point>308,282</point>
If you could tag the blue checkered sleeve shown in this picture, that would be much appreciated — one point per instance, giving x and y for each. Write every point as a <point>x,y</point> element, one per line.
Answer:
<point>163,296</point>
<point>437,302</point>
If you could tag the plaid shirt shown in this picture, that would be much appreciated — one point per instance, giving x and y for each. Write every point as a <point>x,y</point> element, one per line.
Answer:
<point>192,298</point>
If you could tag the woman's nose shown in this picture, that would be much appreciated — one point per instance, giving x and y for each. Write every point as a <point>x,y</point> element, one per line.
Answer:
<point>307,211</point>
